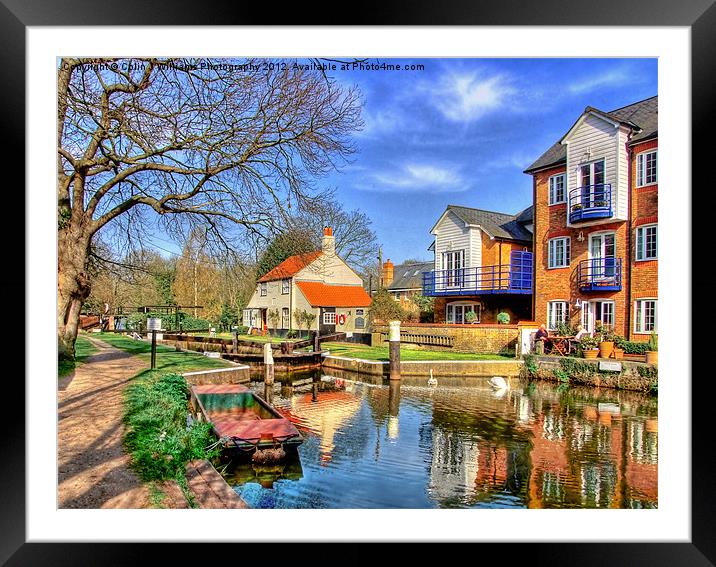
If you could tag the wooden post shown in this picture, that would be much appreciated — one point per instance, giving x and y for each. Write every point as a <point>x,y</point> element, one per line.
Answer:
<point>268,364</point>
<point>235,341</point>
<point>394,350</point>
<point>316,342</point>
<point>393,408</point>
<point>154,349</point>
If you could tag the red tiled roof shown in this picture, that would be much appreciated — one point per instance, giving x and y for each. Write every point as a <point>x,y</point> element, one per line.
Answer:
<point>290,266</point>
<point>322,295</point>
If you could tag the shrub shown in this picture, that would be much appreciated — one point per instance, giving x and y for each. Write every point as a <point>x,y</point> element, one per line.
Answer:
<point>292,334</point>
<point>385,308</point>
<point>158,439</point>
<point>530,365</point>
<point>503,318</point>
<point>630,347</point>
<point>561,375</point>
<point>653,343</point>
<point>470,317</point>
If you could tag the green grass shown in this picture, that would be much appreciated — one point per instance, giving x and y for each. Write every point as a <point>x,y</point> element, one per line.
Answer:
<point>352,350</point>
<point>168,358</point>
<point>83,349</point>
<point>158,440</point>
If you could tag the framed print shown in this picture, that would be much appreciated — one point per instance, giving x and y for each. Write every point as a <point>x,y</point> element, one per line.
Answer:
<point>395,281</point>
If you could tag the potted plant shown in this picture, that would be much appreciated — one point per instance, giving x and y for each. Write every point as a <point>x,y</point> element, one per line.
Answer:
<point>652,347</point>
<point>589,346</point>
<point>600,203</point>
<point>470,317</point>
<point>606,341</point>
<point>503,318</point>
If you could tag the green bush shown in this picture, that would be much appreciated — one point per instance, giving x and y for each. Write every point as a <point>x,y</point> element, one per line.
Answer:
<point>158,439</point>
<point>630,347</point>
<point>503,318</point>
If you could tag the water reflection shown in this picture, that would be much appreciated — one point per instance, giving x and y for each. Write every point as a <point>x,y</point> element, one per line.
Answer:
<point>371,443</point>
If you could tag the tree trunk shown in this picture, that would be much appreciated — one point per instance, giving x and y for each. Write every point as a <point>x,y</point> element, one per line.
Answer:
<point>73,287</point>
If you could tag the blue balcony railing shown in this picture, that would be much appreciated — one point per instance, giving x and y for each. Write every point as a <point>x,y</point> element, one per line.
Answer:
<point>600,274</point>
<point>515,277</point>
<point>590,202</point>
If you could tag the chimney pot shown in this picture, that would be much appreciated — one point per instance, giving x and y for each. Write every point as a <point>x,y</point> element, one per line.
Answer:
<point>328,231</point>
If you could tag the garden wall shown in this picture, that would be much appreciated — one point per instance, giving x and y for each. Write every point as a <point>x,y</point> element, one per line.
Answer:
<point>636,376</point>
<point>483,339</point>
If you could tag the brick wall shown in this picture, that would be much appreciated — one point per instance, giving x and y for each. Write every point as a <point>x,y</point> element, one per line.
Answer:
<point>485,339</point>
<point>645,205</point>
<point>519,307</point>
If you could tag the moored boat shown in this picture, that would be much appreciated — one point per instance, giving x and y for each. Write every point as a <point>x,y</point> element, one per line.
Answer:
<point>243,420</point>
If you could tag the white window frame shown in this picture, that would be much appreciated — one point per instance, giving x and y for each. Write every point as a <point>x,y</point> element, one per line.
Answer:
<point>327,315</point>
<point>476,307</point>
<point>263,289</point>
<point>285,318</point>
<point>641,250</point>
<point>552,324</point>
<point>285,286</point>
<point>552,191</point>
<point>639,320</point>
<point>589,313</point>
<point>551,256</point>
<point>641,169</point>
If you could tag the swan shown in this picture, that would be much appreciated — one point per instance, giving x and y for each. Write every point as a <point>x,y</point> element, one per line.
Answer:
<point>499,383</point>
<point>432,381</point>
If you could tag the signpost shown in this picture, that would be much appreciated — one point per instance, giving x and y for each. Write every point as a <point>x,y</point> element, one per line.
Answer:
<point>154,324</point>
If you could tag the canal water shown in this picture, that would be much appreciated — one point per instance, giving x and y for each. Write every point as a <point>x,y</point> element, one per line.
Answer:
<point>458,444</point>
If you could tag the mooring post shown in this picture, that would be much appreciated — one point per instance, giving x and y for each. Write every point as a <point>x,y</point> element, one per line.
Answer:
<point>235,341</point>
<point>268,364</point>
<point>394,341</point>
<point>316,342</point>
<point>154,349</point>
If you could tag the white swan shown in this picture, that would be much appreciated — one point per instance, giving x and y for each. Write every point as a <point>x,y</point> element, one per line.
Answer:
<point>432,381</point>
<point>499,383</point>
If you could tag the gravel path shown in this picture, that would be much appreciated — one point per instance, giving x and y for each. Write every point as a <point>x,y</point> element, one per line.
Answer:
<point>93,467</point>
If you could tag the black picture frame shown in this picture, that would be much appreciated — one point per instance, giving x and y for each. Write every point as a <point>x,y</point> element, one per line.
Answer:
<point>698,15</point>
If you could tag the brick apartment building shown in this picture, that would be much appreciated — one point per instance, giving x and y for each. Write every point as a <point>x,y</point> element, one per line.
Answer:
<point>595,195</point>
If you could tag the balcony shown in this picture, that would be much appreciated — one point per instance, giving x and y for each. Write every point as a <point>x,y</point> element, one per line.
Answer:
<point>600,274</point>
<point>590,202</point>
<point>515,277</point>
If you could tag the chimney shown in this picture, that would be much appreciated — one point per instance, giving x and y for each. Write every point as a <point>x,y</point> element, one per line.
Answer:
<point>328,244</point>
<point>387,273</point>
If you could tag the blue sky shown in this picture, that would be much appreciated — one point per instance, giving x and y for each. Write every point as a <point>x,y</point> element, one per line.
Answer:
<point>463,130</point>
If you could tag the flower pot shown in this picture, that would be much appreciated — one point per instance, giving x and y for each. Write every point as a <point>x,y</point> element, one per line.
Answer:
<point>651,357</point>
<point>591,353</point>
<point>606,348</point>
<point>618,353</point>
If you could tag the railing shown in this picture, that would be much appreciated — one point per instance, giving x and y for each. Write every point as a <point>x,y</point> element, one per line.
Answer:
<point>600,274</point>
<point>590,202</point>
<point>515,277</point>
<point>423,339</point>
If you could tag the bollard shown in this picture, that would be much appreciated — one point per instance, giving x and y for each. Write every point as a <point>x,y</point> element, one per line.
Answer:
<point>268,364</point>
<point>394,341</point>
<point>154,349</point>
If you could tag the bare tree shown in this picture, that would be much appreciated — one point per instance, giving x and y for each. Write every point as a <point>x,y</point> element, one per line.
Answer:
<point>215,142</point>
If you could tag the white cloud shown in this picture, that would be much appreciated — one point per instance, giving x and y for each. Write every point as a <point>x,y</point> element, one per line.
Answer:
<point>469,96</point>
<point>608,78</point>
<point>381,122</point>
<point>415,177</point>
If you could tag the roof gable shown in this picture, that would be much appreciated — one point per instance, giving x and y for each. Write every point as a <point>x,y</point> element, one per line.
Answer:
<point>290,266</point>
<point>496,225</point>
<point>410,276</point>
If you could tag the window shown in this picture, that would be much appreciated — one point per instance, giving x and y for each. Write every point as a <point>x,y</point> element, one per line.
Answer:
<point>285,286</point>
<point>559,250</point>
<point>645,320</point>
<point>360,323</point>
<point>263,289</point>
<point>556,189</point>
<point>455,313</point>
<point>453,264</point>
<point>359,311</point>
<point>329,318</point>
<point>646,169</point>
<point>285,319</point>
<point>646,242</point>
<point>557,312</point>
<point>597,312</point>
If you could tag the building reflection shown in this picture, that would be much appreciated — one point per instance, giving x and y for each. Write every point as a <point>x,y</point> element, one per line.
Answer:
<point>543,448</point>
